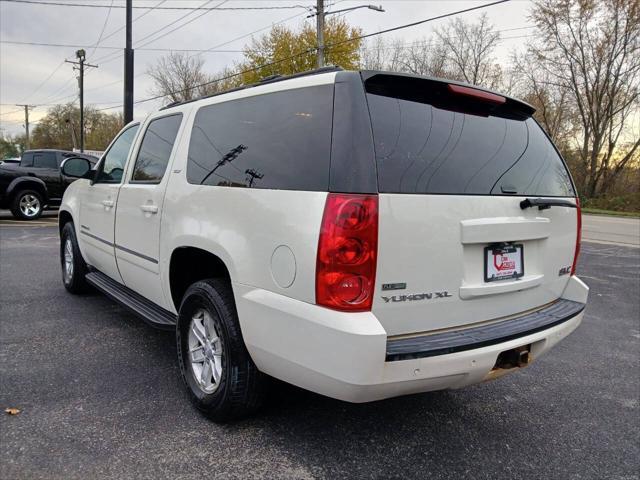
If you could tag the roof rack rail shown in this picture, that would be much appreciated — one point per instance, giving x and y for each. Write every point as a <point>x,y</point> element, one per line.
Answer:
<point>263,81</point>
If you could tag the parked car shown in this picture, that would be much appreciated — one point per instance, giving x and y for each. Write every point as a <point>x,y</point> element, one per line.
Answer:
<point>36,182</point>
<point>362,235</point>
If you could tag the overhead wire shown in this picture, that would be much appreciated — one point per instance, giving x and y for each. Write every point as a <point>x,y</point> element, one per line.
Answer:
<point>309,50</point>
<point>93,5</point>
<point>104,26</point>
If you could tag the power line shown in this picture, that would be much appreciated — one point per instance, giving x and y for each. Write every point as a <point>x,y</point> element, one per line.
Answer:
<point>104,26</point>
<point>309,50</point>
<point>105,59</point>
<point>93,5</point>
<point>55,70</point>
<point>206,12</point>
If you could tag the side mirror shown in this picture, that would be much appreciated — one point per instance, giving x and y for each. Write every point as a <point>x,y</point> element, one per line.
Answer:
<point>77,168</point>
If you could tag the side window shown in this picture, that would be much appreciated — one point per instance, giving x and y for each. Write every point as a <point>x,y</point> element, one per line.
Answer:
<point>155,149</point>
<point>45,160</point>
<point>280,140</point>
<point>112,164</point>
<point>27,160</point>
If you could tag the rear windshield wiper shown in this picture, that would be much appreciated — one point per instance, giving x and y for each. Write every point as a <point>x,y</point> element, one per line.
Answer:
<point>543,204</point>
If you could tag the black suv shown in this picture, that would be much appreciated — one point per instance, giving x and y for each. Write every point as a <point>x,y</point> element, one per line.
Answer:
<point>36,182</point>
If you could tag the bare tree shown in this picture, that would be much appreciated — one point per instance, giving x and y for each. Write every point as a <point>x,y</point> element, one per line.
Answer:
<point>555,109</point>
<point>592,51</point>
<point>178,76</point>
<point>469,49</point>
<point>379,54</point>
<point>422,57</point>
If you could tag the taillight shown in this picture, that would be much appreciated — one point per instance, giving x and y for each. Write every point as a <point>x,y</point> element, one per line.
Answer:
<point>347,249</point>
<point>578,238</point>
<point>477,94</point>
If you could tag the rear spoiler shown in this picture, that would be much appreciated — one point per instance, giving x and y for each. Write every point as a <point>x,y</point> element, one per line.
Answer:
<point>445,94</point>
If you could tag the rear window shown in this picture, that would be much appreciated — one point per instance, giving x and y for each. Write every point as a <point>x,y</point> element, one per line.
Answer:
<point>459,149</point>
<point>279,140</point>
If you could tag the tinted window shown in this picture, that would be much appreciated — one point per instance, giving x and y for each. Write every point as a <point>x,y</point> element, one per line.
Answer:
<point>112,165</point>
<point>45,160</point>
<point>27,160</point>
<point>444,149</point>
<point>279,140</point>
<point>155,149</point>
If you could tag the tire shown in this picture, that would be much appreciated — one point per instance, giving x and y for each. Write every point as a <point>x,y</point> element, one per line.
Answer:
<point>72,264</point>
<point>27,205</point>
<point>240,387</point>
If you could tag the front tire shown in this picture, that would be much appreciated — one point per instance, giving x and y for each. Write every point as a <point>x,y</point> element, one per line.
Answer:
<point>222,380</point>
<point>73,265</point>
<point>27,205</point>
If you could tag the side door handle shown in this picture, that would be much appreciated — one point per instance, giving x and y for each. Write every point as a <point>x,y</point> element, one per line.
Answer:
<point>149,208</point>
<point>107,203</point>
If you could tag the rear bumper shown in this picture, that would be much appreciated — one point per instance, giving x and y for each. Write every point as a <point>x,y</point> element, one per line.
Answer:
<point>349,357</point>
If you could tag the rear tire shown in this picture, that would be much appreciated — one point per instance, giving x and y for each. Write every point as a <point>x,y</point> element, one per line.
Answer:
<point>222,380</point>
<point>27,205</point>
<point>73,265</point>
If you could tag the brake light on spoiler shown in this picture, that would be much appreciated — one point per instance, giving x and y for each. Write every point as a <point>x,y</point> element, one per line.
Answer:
<point>476,94</point>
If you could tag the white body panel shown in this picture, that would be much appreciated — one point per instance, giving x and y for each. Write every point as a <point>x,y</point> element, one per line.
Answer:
<point>96,226</point>
<point>435,243</point>
<point>342,355</point>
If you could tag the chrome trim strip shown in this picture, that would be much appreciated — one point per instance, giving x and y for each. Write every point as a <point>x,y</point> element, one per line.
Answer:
<point>120,247</point>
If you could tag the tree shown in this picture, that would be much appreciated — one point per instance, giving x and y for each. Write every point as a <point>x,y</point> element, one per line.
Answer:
<point>285,51</point>
<point>468,49</point>
<point>8,148</point>
<point>424,57</point>
<point>177,76</point>
<point>591,51</point>
<point>60,128</point>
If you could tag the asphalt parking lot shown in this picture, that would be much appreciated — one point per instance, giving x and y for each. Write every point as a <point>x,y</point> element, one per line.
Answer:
<point>100,397</point>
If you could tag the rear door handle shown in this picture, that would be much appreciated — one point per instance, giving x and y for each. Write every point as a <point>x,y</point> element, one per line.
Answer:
<point>149,208</point>
<point>107,203</point>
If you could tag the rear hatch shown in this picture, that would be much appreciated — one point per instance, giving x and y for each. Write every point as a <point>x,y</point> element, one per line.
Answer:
<point>455,247</point>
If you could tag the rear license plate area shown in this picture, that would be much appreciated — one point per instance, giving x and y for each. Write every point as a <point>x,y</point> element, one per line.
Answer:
<point>503,261</point>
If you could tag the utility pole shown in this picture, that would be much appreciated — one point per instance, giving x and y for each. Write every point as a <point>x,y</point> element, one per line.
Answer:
<point>320,14</point>
<point>128,67</point>
<point>81,56</point>
<point>320,32</point>
<point>26,123</point>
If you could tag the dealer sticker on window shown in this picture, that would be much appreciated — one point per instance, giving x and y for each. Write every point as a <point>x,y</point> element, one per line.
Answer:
<point>504,262</point>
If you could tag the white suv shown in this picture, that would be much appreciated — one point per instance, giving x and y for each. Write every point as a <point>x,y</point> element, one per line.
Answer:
<point>359,234</point>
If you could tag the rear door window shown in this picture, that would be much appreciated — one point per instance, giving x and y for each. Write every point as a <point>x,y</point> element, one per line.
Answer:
<point>155,149</point>
<point>27,160</point>
<point>278,140</point>
<point>451,149</point>
<point>45,160</point>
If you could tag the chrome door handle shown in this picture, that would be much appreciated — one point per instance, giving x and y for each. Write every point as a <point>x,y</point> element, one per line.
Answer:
<point>107,203</point>
<point>149,208</point>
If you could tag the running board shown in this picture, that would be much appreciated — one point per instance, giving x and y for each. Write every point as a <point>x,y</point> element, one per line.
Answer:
<point>150,312</point>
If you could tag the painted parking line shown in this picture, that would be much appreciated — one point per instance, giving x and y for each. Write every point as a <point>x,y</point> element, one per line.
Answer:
<point>21,223</point>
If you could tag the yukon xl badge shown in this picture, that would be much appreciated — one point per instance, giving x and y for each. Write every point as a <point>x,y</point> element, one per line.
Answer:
<point>417,296</point>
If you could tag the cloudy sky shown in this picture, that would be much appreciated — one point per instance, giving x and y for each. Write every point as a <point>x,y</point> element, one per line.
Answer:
<point>37,74</point>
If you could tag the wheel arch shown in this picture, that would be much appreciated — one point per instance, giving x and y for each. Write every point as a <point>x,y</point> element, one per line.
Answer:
<point>64,217</point>
<point>28,183</point>
<point>190,264</point>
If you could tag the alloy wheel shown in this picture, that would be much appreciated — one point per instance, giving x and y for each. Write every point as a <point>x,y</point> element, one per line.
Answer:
<point>29,205</point>
<point>205,351</point>
<point>68,260</point>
